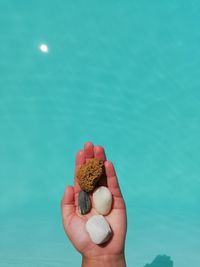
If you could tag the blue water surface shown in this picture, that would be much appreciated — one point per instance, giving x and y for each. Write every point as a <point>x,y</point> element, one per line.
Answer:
<point>123,74</point>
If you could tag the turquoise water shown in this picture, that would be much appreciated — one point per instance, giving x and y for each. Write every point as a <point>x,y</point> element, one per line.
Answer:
<point>124,74</point>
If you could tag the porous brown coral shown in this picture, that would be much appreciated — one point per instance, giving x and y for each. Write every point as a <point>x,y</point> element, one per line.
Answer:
<point>89,174</point>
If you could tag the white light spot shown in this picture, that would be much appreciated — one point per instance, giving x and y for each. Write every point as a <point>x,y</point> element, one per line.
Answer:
<point>44,48</point>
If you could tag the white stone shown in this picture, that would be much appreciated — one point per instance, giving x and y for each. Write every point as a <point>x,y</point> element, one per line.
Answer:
<point>98,229</point>
<point>102,200</point>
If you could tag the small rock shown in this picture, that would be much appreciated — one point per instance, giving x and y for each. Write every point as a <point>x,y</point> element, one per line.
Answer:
<point>98,229</point>
<point>102,199</point>
<point>84,204</point>
<point>89,174</point>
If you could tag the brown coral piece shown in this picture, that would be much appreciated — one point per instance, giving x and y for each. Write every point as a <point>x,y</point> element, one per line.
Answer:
<point>89,174</point>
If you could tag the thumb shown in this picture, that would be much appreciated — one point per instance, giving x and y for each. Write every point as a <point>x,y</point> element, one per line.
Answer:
<point>68,204</point>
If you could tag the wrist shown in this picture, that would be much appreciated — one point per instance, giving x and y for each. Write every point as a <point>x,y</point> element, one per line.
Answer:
<point>104,261</point>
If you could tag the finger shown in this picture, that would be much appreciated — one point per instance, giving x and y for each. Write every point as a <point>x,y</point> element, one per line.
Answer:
<point>68,204</point>
<point>99,153</point>
<point>112,181</point>
<point>89,150</point>
<point>80,160</point>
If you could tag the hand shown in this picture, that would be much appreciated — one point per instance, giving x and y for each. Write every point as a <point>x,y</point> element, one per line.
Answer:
<point>112,252</point>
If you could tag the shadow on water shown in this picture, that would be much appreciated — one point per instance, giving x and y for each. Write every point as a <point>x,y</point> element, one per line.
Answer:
<point>161,261</point>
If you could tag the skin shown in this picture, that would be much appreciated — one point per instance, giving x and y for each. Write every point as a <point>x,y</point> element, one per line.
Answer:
<point>112,252</point>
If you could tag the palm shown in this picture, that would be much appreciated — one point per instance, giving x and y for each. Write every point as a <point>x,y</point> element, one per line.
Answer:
<point>74,223</point>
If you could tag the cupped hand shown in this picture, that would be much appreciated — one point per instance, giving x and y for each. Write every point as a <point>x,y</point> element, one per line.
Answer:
<point>74,222</point>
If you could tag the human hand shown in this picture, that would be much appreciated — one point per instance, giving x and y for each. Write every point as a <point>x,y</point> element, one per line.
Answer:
<point>110,253</point>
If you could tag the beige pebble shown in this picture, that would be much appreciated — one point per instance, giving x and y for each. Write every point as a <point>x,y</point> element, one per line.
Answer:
<point>102,200</point>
